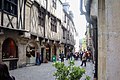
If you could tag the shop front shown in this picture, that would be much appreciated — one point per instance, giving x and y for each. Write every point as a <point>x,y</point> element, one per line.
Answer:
<point>48,52</point>
<point>31,50</point>
<point>10,53</point>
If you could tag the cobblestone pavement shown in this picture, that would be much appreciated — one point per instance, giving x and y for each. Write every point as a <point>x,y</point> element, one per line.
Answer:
<point>45,71</point>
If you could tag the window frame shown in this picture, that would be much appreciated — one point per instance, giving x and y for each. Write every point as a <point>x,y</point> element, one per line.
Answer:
<point>54,3</point>
<point>11,7</point>
<point>7,52</point>
<point>63,33</point>
<point>41,17</point>
<point>53,24</point>
<point>68,35</point>
<point>65,16</point>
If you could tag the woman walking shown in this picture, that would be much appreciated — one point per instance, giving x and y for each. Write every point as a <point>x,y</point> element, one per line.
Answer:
<point>84,58</point>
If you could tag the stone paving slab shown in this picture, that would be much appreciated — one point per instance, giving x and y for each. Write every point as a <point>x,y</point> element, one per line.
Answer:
<point>45,71</point>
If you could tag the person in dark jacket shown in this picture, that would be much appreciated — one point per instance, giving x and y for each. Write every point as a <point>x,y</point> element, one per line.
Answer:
<point>71,56</point>
<point>62,56</point>
<point>4,73</point>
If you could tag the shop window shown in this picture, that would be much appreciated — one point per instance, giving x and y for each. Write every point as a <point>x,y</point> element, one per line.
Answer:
<point>9,49</point>
<point>48,53</point>
<point>10,6</point>
<point>32,51</point>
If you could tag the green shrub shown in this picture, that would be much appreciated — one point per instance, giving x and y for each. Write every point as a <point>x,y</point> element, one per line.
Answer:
<point>87,77</point>
<point>70,72</point>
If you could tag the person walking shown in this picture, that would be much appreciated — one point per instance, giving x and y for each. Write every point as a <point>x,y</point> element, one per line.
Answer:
<point>38,62</point>
<point>84,58</point>
<point>71,55</point>
<point>81,54</point>
<point>4,73</point>
<point>62,56</point>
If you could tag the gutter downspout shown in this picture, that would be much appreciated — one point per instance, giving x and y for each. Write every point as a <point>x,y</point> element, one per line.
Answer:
<point>45,16</point>
<point>87,7</point>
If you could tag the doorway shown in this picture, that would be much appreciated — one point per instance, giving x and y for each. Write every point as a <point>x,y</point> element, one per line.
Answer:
<point>10,53</point>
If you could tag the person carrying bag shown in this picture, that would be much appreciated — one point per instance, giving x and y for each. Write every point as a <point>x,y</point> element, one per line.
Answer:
<point>84,58</point>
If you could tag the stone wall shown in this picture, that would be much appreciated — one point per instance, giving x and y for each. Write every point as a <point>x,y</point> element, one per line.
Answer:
<point>108,40</point>
<point>113,36</point>
<point>102,41</point>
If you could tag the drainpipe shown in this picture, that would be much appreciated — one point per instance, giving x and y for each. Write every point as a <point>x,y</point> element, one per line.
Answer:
<point>81,8</point>
<point>24,14</point>
<point>2,7</point>
<point>45,16</point>
<point>87,7</point>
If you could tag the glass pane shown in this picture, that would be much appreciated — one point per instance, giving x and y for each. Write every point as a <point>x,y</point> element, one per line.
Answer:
<point>14,1</point>
<point>9,49</point>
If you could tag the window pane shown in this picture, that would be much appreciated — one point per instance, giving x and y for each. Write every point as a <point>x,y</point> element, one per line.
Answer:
<point>11,6</point>
<point>14,1</point>
<point>41,17</point>
<point>13,9</point>
<point>7,6</point>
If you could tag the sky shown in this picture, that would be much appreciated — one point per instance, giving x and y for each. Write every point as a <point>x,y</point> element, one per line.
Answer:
<point>79,20</point>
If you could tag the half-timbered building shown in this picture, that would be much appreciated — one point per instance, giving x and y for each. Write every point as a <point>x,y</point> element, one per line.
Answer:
<point>28,27</point>
<point>12,13</point>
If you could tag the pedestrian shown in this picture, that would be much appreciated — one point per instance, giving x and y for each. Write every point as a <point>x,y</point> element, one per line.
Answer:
<point>81,54</point>
<point>62,56</point>
<point>84,59</point>
<point>38,62</point>
<point>4,73</point>
<point>71,56</point>
<point>88,56</point>
<point>68,56</point>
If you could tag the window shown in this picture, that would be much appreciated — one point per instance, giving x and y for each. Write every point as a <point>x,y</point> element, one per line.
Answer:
<point>68,35</point>
<point>41,17</point>
<point>9,49</point>
<point>53,24</point>
<point>68,22</point>
<point>54,3</point>
<point>65,18</point>
<point>10,6</point>
<point>63,33</point>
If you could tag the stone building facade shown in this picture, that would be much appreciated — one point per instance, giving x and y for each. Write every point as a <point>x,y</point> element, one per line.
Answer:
<point>34,26</point>
<point>103,15</point>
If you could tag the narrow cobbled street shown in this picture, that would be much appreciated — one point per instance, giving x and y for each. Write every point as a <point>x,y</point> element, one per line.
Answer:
<point>45,71</point>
